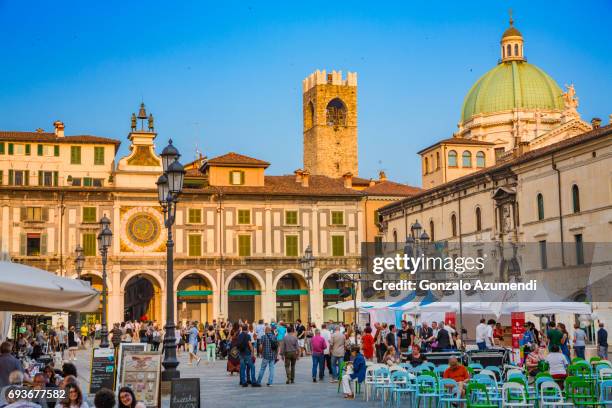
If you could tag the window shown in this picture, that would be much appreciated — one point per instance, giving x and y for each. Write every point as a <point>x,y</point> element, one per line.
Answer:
<point>76,181</point>
<point>1,147</point>
<point>195,245</point>
<point>516,53</point>
<point>16,149</point>
<point>87,181</point>
<point>452,158</point>
<point>454,225</point>
<point>437,160</point>
<point>33,214</point>
<point>97,182</point>
<point>540,199</point>
<point>291,217</point>
<point>575,199</point>
<point>244,216</point>
<point>310,116</point>
<point>1,177</point>
<point>48,178</point>
<point>425,166</point>
<point>98,155</point>
<point>89,214</point>
<point>56,150</point>
<point>19,178</point>
<point>466,159</point>
<point>336,113</point>
<point>236,177</point>
<point>291,245</point>
<point>579,249</point>
<point>75,154</point>
<point>395,240</point>
<point>478,220</point>
<point>35,244</point>
<point>195,216</point>
<point>499,152</point>
<point>480,159</point>
<point>89,244</point>
<point>508,50</point>
<point>431,231</point>
<point>244,245</point>
<point>337,218</point>
<point>378,245</point>
<point>543,257</point>
<point>338,245</point>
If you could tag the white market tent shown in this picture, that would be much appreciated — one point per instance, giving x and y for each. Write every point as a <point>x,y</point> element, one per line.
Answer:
<point>27,289</point>
<point>350,305</point>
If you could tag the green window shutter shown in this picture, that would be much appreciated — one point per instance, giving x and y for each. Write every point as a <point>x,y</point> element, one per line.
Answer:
<point>87,182</point>
<point>27,149</point>
<point>43,244</point>
<point>55,178</point>
<point>11,176</point>
<point>337,245</point>
<point>23,242</point>
<point>26,174</point>
<point>244,216</point>
<point>89,214</point>
<point>39,149</point>
<point>242,177</point>
<point>2,148</point>
<point>89,244</point>
<point>11,148</point>
<point>291,218</point>
<point>244,245</point>
<point>40,177</point>
<point>98,155</point>
<point>56,150</point>
<point>75,154</point>
<point>337,218</point>
<point>195,245</point>
<point>291,245</point>
<point>195,216</point>
<point>1,177</point>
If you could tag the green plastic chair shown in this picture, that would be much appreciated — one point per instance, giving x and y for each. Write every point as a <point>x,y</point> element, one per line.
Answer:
<point>341,366</point>
<point>576,359</point>
<point>595,358</point>
<point>475,393</point>
<point>581,392</point>
<point>580,369</point>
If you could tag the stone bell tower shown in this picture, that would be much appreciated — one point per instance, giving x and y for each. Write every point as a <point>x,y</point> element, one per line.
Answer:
<point>330,123</point>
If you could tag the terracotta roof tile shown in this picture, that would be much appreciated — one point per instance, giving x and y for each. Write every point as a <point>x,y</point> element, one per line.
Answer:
<point>52,138</point>
<point>458,141</point>
<point>390,188</point>
<point>235,159</point>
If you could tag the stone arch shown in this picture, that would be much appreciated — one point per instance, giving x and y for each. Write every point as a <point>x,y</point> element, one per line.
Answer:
<point>258,278</point>
<point>200,272</point>
<point>146,272</point>
<point>97,274</point>
<point>287,272</point>
<point>328,274</point>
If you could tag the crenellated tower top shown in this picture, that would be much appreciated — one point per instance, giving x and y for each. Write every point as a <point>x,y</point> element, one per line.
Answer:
<point>333,78</point>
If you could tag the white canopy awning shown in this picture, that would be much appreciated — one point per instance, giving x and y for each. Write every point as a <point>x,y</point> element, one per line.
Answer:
<point>27,289</point>
<point>350,305</point>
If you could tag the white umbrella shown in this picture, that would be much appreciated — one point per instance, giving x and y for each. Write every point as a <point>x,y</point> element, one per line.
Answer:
<point>27,289</point>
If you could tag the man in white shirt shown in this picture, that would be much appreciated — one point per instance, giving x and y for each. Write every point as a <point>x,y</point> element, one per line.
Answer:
<point>481,335</point>
<point>489,339</point>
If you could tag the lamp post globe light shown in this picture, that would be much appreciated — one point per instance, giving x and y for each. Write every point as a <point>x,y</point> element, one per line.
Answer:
<point>105,238</point>
<point>307,263</point>
<point>79,260</point>
<point>169,186</point>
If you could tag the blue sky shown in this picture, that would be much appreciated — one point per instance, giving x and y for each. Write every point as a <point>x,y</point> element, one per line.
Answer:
<point>226,76</point>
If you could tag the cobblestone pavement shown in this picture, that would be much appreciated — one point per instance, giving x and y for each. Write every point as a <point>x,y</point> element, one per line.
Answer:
<point>218,389</point>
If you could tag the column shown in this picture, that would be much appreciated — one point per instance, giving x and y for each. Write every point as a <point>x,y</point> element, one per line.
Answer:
<point>222,294</point>
<point>116,227</point>
<point>268,296</point>
<point>115,295</point>
<point>316,297</point>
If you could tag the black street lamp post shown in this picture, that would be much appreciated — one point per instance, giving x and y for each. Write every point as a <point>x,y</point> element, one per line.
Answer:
<point>79,260</point>
<point>307,262</point>
<point>169,186</point>
<point>105,238</point>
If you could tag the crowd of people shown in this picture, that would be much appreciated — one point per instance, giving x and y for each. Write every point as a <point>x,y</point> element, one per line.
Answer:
<point>331,348</point>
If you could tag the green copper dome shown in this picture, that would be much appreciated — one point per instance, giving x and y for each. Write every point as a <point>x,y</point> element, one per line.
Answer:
<point>512,85</point>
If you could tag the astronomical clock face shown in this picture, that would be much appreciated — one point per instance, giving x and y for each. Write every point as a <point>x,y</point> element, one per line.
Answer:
<point>143,230</point>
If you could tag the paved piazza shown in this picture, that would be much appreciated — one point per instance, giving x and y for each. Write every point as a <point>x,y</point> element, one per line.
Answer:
<point>218,389</point>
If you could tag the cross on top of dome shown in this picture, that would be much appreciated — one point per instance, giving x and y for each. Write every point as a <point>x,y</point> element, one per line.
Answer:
<point>512,43</point>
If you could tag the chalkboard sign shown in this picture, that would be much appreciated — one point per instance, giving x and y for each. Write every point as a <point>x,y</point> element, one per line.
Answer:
<point>141,372</point>
<point>126,348</point>
<point>185,393</point>
<point>102,369</point>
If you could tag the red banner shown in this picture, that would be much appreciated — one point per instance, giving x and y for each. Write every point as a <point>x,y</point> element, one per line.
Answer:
<point>518,328</point>
<point>450,318</point>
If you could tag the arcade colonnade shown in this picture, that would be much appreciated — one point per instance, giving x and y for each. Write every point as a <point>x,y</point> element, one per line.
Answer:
<point>205,295</point>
